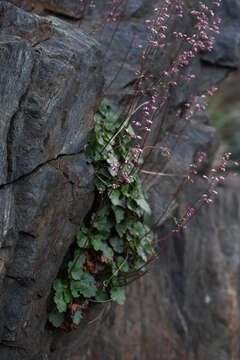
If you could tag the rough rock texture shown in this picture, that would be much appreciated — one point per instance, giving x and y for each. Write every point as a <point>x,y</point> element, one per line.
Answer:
<point>226,51</point>
<point>187,307</point>
<point>70,8</point>
<point>50,84</point>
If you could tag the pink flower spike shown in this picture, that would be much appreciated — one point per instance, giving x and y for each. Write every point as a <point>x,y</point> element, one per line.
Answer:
<point>147,129</point>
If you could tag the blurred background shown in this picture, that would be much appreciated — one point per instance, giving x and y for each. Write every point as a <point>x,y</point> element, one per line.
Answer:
<point>224,111</point>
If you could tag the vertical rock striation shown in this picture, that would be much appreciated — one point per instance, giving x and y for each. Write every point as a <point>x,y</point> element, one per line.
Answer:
<point>50,85</point>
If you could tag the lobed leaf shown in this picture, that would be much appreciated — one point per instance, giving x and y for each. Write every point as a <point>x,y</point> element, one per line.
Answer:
<point>56,319</point>
<point>117,244</point>
<point>77,316</point>
<point>85,286</point>
<point>119,214</point>
<point>101,295</point>
<point>118,294</point>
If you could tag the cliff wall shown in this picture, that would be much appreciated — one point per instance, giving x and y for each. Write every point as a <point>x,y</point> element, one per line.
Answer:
<point>53,75</point>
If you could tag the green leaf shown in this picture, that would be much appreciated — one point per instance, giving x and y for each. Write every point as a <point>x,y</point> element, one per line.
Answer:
<point>118,294</point>
<point>101,295</point>
<point>97,240</point>
<point>148,236</point>
<point>122,228</point>
<point>123,151</point>
<point>122,264</point>
<point>60,302</point>
<point>77,317</point>
<point>119,214</point>
<point>99,244</point>
<point>75,266</point>
<point>100,184</point>
<point>84,229</point>
<point>104,211</point>
<point>148,248</point>
<point>115,282</point>
<point>77,274</point>
<point>131,205</point>
<point>141,252</point>
<point>67,296</point>
<point>98,118</point>
<point>102,108</point>
<point>107,251</point>
<point>143,205</point>
<point>114,196</point>
<point>139,263</point>
<point>104,173</point>
<point>59,285</point>
<point>138,229</point>
<point>130,130</point>
<point>56,319</point>
<point>82,240</point>
<point>131,240</point>
<point>102,222</point>
<point>117,244</point>
<point>85,286</point>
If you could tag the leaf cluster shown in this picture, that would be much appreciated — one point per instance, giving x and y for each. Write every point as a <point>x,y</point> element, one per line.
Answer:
<point>116,239</point>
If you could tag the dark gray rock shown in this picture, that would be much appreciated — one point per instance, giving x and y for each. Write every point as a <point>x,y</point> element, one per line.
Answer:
<point>226,51</point>
<point>43,205</point>
<point>166,316</point>
<point>60,62</point>
<point>15,54</point>
<point>211,272</point>
<point>187,307</point>
<point>50,87</point>
<point>77,10</point>
<point>163,172</point>
<point>70,8</point>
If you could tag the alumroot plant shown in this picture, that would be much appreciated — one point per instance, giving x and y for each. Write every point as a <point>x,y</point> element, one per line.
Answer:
<point>115,239</point>
<point>216,176</point>
<point>114,246</point>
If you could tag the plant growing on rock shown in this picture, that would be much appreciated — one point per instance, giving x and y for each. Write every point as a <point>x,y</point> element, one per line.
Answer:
<point>115,242</point>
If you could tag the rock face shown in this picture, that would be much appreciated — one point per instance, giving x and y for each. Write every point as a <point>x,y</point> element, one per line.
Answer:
<point>226,51</point>
<point>49,88</point>
<point>188,306</point>
<point>69,8</point>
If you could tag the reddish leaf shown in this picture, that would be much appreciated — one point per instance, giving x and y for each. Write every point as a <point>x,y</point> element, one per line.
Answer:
<point>84,305</point>
<point>74,308</point>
